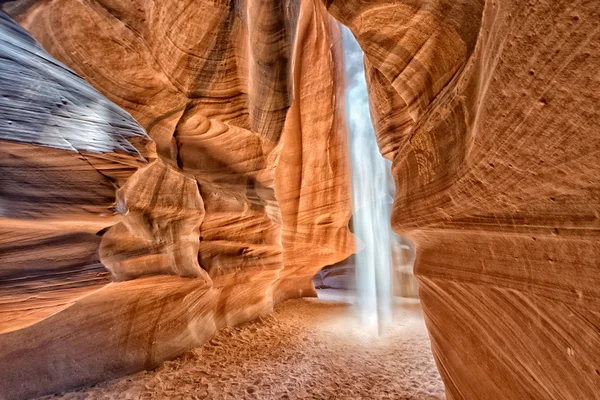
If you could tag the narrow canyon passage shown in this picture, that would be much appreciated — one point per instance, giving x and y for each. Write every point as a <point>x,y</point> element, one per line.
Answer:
<point>179,177</point>
<point>307,349</point>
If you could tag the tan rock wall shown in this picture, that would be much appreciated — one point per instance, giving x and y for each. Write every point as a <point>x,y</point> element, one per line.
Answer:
<point>246,196</point>
<point>497,176</point>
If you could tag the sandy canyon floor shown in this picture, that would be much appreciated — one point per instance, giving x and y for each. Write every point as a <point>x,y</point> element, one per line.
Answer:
<point>307,349</point>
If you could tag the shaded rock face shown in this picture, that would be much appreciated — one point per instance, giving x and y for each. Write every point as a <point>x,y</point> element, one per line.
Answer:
<point>342,275</point>
<point>65,149</point>
<point>490,115</point>
<point>240,199</point>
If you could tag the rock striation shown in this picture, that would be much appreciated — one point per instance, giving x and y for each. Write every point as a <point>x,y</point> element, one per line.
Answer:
<point>64,151</point>
<point>214,93</point>
<point>489,111</point>
<point>243,198</point>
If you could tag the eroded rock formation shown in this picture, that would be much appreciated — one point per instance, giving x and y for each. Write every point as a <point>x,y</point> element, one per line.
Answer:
<point>64,151</point>
<point>490,115</point>
<point>245,198</point>
<point>488,110</point>
<point>214,94</point>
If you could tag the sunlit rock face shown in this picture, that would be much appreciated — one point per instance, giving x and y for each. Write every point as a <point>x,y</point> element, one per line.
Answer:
<point>212,83</point>
<point>490,115</point>
<point>245,198</point>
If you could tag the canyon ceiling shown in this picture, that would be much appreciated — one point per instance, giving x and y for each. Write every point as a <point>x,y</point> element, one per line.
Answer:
<point>200,174</point>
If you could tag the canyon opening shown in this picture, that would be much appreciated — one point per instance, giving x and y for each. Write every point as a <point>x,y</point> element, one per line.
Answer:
<point>286,199</point>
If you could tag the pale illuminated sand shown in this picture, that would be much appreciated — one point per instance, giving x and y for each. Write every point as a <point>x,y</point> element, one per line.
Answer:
<point>309,348</point>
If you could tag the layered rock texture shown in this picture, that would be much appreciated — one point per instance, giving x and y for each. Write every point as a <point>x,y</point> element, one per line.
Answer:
<point>64,151</point>
<point>488,110</point>
<point>244,198</point>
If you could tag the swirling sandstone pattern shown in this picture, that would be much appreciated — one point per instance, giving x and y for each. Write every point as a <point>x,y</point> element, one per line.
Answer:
<point>212,83</point>
<point>488,110</point>
<point>493,130</point>
<point>64,149</point>
<point>245,199</point>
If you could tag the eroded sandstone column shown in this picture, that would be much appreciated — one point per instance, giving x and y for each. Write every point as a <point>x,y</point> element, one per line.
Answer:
<point>490,116</point>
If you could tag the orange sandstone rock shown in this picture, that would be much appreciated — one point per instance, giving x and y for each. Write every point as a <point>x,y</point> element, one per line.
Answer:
<point>246,197</point>
<point>489,111</point>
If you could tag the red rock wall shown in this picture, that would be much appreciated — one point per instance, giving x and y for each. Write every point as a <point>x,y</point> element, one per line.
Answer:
<point>64,150</point>
<point>490,115</point>
<point>246,197</point>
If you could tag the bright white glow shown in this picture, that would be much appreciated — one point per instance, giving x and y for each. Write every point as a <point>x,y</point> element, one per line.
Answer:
<point>370,195</point>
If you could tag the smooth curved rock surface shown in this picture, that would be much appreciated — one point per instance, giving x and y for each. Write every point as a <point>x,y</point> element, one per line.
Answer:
<point>246,197</point>
<point>490,115</point>
<point>64,150</point>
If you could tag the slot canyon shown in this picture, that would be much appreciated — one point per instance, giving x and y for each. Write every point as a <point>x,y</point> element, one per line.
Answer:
<point>181,214</point>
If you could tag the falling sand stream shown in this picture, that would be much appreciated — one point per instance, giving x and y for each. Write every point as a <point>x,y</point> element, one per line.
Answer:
<point>371,187</point>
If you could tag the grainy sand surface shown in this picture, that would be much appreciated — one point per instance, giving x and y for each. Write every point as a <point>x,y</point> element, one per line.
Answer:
<point>308,349</point>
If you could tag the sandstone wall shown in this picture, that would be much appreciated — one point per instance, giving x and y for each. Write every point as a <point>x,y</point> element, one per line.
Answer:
<point>487,109</point>
<point>212,83</point>
<point>245,197</point>
<point>64,151</point>
<point>490,115</point>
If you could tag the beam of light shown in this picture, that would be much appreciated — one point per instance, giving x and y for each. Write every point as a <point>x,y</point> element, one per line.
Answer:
<point>370,195</point>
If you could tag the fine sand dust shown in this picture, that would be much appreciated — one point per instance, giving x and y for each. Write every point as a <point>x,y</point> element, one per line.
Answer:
<point>308,349</point>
